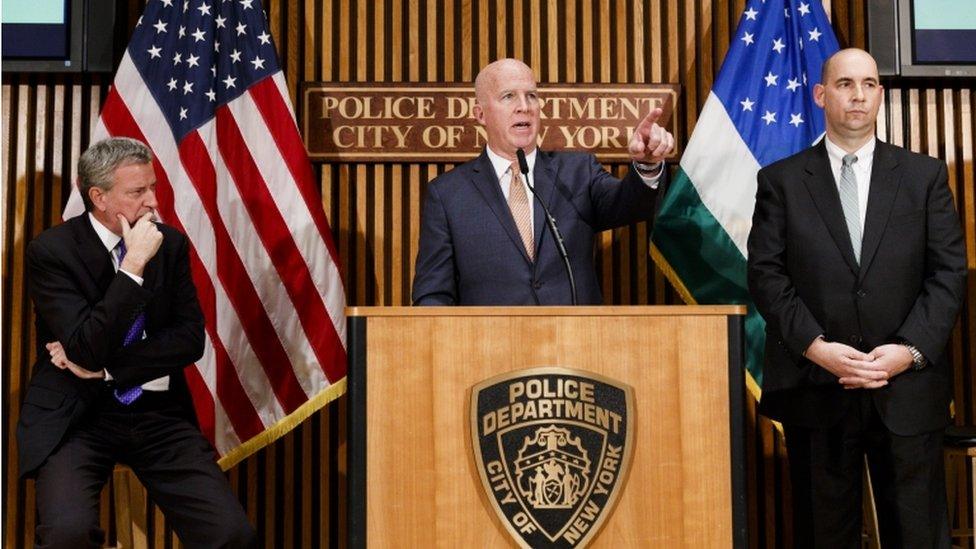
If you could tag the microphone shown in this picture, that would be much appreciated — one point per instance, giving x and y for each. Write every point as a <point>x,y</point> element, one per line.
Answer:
<point>551,223</point>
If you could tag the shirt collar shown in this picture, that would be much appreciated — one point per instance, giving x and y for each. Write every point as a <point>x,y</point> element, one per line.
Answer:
<point>109,239</point>
<point>501,164</point>
<point>864,154</point>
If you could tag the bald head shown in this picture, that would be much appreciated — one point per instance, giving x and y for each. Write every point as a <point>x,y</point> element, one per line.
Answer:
<point>855,54</point>
<point>507,105</point>
<point>850,95</point>
<point>491,76</point>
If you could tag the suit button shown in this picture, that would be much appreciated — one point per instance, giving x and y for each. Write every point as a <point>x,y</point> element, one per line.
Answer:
<point>855,339</point>
<point>862,293</point>
<point>537,285</point>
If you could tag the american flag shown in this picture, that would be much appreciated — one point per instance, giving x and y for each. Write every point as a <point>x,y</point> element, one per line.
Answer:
<point>201,85</point>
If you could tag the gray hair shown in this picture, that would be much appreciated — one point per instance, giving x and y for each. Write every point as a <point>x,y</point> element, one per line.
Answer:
<point>97,165</point>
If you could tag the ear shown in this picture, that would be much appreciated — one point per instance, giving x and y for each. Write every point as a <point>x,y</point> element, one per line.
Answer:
<point>479,113</point>
<point>818,95</point>
<point>97,197</point>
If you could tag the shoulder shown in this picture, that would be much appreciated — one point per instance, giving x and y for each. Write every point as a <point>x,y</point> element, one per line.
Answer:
<point>458,181</point>
<point>568,159</point>
<point>791,164</point>
<point>173,238</point>
<point>909,159</point>
<point>59,236</point>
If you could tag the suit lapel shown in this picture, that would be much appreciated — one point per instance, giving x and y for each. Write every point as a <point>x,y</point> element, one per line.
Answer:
<point>483,178</point>
<point>881,197</point>
<point>820,183</point>
<point>91,252</point>
<point>543,178</point>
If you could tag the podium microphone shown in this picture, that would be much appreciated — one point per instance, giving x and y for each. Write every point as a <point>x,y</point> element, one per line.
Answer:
<point>551,222</point>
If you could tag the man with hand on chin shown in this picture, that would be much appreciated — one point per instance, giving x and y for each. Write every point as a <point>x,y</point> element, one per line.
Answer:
<point>857,263</point>
<point>118,316</point>
<point>483,237</point>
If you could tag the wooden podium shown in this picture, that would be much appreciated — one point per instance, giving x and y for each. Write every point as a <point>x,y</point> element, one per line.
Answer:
<point>413,475</point>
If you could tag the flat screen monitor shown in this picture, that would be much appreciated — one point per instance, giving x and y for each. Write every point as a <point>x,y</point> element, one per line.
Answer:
<point>937,37</point>
<point>57,35</point>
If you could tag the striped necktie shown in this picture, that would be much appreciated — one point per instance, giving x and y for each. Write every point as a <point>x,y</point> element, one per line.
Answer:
<point>518,202</point>
<point>129,395</point>
<point>849,202</point>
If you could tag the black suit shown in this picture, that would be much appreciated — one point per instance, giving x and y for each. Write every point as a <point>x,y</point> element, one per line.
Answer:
<point>72,431</point>
<point>908,286</point>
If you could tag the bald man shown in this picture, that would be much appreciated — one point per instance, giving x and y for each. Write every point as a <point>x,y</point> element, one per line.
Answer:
<point>483,237</point>
<point>857,263</point>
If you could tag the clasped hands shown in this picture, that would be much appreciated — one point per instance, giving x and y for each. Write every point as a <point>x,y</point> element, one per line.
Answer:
<point>857,370</point>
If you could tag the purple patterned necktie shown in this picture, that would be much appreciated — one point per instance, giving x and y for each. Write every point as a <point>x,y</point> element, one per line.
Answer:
<point>128,396</point>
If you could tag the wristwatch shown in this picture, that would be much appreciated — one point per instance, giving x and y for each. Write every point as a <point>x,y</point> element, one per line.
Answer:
<point>918,359</point>
<point>647,170</point>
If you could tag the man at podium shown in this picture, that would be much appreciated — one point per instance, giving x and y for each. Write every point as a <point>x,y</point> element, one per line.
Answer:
<point>484,237</point>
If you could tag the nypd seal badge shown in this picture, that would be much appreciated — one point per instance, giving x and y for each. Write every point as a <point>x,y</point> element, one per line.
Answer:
<point>553,447</point>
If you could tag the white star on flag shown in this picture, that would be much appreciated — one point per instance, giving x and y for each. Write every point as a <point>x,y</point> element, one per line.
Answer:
<point>804,9</point>
<point>747,104</point>
<point>160,26</point>
<point>154,52</point>
<point>778,45</point>
<point>751,14</point>
<point>769,117</point>
<point>796,119</point>
<point>793,84</point>
<point>770,79</point>
<point>747,38</point>
<point>815,34</point>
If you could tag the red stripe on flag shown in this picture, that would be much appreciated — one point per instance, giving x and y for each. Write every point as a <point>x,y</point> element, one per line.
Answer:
<point>119,121</point>
<point>283,129</point>
<point>203,403</point>
<point>230,269</point>
<point>277,239</point>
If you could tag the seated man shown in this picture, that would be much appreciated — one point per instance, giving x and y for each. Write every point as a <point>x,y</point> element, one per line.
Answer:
<point>118,316</point>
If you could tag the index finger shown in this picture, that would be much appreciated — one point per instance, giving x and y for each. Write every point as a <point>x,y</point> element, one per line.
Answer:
<point>125,224</point>
<point>649,120</point>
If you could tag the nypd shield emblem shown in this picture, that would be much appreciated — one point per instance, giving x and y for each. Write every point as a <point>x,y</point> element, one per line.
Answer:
<point>553,448</point>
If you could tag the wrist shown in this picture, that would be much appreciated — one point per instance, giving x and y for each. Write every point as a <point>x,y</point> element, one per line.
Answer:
<point>918,359</point>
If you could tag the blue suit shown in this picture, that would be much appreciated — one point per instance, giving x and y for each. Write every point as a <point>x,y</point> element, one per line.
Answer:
<point>470,250</point>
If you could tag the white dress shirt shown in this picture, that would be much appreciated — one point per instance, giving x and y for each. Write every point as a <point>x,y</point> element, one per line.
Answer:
<point>110,240</point>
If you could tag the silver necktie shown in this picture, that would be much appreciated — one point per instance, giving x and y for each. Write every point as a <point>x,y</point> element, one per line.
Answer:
<point>849,202</point>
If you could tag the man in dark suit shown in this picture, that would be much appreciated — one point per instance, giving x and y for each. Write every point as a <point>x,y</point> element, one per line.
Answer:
<point>484,240</point>
<point>118,316</point>
<point>856,326</point>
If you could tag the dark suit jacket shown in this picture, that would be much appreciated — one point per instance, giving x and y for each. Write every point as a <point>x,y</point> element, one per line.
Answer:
<point>470,249</point>
<point>805,282</point>
<point>82,302</point>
